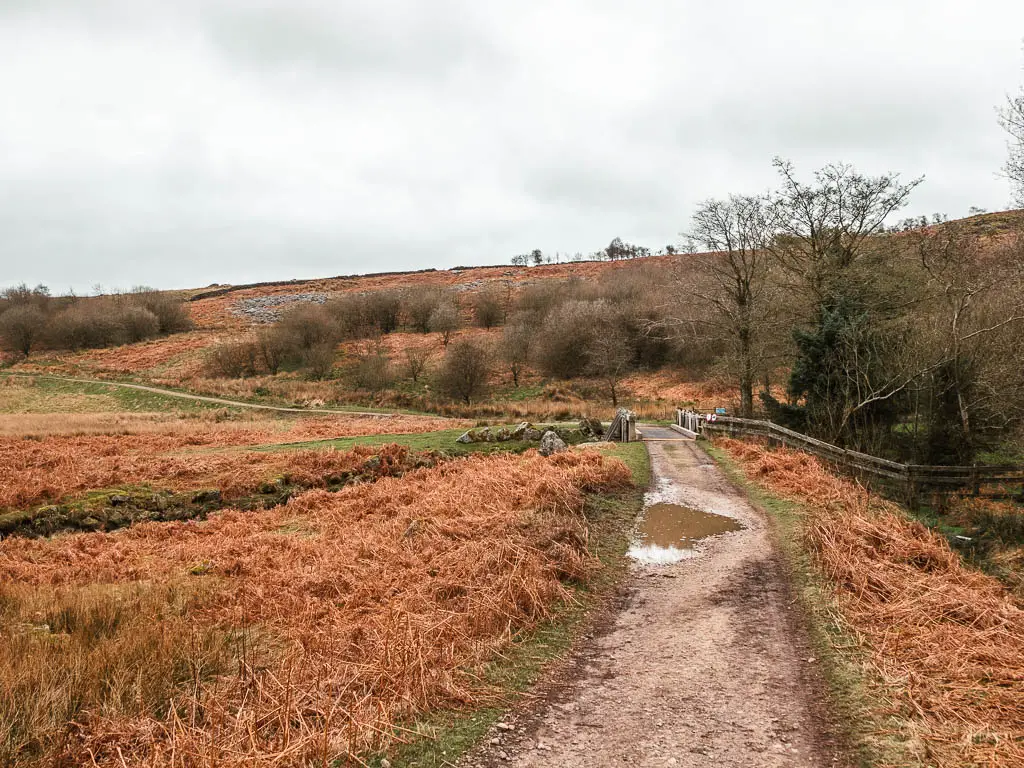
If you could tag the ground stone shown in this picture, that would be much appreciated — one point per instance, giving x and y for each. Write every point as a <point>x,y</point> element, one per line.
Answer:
<point>551,443</point>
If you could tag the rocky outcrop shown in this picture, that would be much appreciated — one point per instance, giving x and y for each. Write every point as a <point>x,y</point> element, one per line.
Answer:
<point>268,309</point>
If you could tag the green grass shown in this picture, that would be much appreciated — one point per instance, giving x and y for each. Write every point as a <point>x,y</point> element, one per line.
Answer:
<point>109,397</point>
<point>441,440</point>
<point>841,660</point>
<point>439,739</point>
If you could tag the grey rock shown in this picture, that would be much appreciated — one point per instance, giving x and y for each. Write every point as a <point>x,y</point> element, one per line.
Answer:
<point>465,437</point>
<point>551,443</point>
<point>519,431</point>
<point>532,434</point>
<point>268,309</point>
<point>119,499</point>
<point>591,427</point>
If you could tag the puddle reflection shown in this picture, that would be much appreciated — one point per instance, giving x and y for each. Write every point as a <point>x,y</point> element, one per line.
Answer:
<point>670,531</point>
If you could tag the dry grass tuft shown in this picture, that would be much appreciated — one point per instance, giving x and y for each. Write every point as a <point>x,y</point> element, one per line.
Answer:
<point>343,615</point>
<point>947,641</point>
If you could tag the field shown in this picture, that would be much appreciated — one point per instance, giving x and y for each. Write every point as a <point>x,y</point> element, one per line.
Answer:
<point>184,584</point>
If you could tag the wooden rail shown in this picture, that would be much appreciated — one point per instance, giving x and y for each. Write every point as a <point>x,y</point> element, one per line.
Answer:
<point>907,481</point>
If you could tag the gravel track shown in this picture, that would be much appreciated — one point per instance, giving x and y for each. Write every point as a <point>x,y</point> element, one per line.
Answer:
<point>704,662</point>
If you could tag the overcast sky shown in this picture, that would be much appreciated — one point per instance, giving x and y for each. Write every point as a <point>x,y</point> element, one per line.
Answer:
<point>186,142</point>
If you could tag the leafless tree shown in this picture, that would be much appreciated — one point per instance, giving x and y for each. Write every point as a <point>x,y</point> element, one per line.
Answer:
<point>976,309</point>
<point>737,233</point>
<point>416,361</point>
<point>826,228</point>
<point>272,349</point>
<point>516,346</point>
<point>373,368</point>
<point>611,356</point>
<point>1011,117</point>
<point>445,320</point>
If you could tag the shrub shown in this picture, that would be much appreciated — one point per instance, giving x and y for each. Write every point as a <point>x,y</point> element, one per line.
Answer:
<point>420,304</point>
<point>465,370</point>
<point>318,360</point>
<point>373,370</point>
<point>488,308</point>
<point>138,323</point>
<point>233,360</point>
<point>383,310</point>
<point>22,327</point>
<point>567,335</point>
<point>307,326</point>
<point>172,313</point>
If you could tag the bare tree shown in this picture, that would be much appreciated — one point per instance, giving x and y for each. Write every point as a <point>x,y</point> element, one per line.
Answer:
<point>1011,117</point>
<point>420,303</point>
<point>611,356</point>
<point>516,346</point>
<point>976,294</point>
<point>737,233</point>
<point>416,361</point>
<point>445,321</point>
<point>373,368</point>
<point>826,228</point>
<point>849,330</point>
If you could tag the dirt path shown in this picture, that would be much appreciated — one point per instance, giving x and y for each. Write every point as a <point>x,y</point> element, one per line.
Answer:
<point>217,400</point>
<point>704,664</point>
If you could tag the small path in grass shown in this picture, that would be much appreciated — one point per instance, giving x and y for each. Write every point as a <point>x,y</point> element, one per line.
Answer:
<point>703,663</point>
<point>218,400</point>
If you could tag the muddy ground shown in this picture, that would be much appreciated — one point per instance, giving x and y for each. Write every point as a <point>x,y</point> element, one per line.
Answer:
<point>703,662</point>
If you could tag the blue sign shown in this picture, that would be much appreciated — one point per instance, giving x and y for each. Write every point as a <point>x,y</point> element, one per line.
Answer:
<point>720,411</point>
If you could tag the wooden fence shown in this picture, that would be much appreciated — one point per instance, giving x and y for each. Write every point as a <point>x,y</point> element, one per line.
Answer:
<point>908,482</point>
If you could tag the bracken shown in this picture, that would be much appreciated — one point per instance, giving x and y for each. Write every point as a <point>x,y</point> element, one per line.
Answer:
<point>353,612</point>
<point>947,641</point>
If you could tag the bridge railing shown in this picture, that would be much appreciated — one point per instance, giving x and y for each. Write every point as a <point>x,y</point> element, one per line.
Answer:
<point>907,481</point>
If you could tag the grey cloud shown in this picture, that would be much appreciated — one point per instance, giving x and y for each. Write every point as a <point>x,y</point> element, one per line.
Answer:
<point>226,140</point>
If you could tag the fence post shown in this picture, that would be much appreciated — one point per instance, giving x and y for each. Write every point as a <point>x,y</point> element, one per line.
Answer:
<point>975,481</point>
<point>911,489</point>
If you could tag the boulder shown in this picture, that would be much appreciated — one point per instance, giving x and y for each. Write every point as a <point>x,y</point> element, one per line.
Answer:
<point>551,443</point>
<point>519,431</point>
<point>465,437</point>
<point>503,435</point>
<point>591,427</point>
<point>532,434</point>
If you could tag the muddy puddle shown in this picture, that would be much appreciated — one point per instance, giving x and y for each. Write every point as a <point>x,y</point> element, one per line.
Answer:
<point>670,532</point>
